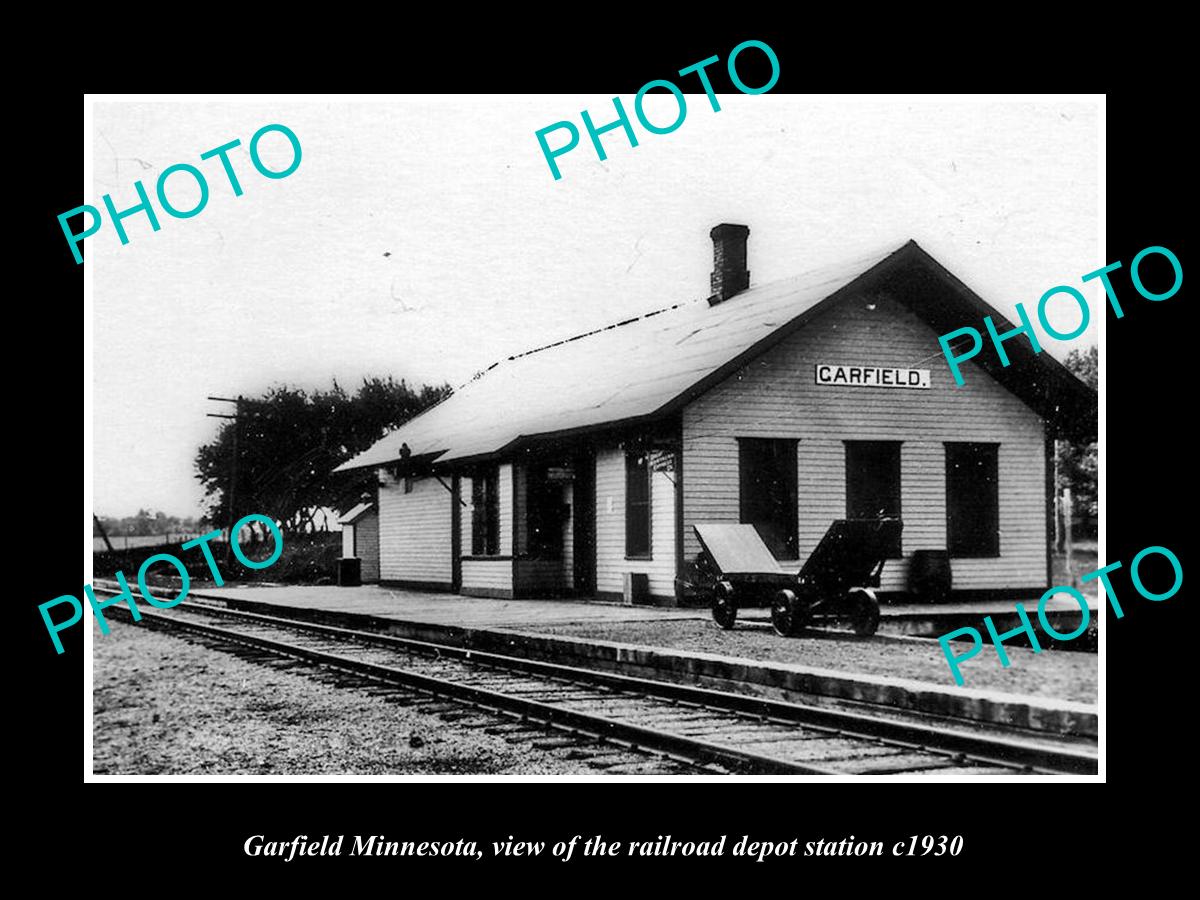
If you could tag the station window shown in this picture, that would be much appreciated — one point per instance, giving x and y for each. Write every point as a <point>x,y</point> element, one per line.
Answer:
<point>485,513</point>
<point>873,483</point>
<point>972,500</point>
<point>637,504</point>
<point>767,492</point>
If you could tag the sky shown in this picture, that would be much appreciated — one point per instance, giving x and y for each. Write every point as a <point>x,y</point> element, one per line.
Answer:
<point>425,237</point>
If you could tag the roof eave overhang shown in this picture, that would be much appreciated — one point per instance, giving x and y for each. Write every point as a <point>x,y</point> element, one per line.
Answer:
<point>413,463</point>
<point>529,442</point>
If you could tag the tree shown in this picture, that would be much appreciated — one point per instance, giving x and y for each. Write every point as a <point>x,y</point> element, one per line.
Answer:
<point>290,443</point>
<point>1076,460</point>
<point>1085,365</point>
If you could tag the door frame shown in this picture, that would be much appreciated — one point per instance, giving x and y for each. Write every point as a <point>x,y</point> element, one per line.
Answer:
<point>583,525</point>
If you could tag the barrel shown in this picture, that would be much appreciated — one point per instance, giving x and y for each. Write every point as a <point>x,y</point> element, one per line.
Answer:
<point>929,578</point>
<point>349,571</point>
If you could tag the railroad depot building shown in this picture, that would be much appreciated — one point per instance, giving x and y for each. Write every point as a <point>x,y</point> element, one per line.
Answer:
<point>579,468</point>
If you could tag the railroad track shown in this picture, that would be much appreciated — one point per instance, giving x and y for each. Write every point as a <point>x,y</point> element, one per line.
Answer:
<point>617,723</point>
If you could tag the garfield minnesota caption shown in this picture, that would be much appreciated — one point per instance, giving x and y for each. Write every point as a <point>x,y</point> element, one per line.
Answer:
<point>378,845</point>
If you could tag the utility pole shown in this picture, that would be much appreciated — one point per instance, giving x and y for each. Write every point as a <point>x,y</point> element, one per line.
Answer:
<point>1058,535</point>
<point>1068,516</point>
<point>103,533</point>
<point>233,468</point>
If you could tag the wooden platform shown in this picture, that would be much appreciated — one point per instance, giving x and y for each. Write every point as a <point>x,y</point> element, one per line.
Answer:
<point>448,609</point>
<point>479,612</point>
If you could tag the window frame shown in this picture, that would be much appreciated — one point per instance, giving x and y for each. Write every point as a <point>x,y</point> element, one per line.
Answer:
<point>642,506</point>
<point>791,540</point>
<point>898,446</point>
<point>994,536</point>
<point>485,513</point>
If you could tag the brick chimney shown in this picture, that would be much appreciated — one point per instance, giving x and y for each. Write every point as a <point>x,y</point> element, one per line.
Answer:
<point>729,275</point>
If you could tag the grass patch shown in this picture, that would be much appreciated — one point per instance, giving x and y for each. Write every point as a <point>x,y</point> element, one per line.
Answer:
<point>306,559</point>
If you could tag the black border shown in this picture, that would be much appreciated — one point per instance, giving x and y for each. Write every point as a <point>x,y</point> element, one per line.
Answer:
<point>1012,836</point>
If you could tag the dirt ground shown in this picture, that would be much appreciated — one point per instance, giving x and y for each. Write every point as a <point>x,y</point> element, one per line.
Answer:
<point>1064,675</point>
<point>163,705</point>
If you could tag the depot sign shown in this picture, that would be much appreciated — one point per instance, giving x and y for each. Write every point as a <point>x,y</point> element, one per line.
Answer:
<point>872,376</point>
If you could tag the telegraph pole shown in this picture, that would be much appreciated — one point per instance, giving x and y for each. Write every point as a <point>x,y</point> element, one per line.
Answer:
<point>103,533</point>
<point>233,468</point>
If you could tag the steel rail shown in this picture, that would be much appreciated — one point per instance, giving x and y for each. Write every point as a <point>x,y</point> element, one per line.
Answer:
<point>918,737</point>
<point>638,737</point>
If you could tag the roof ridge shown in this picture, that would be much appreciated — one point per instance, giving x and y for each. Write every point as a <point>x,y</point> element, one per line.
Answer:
<point>574,337</point>
<point>796,276</point>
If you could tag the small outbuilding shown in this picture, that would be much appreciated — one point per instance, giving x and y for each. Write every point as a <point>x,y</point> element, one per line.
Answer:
<point>360,539</point>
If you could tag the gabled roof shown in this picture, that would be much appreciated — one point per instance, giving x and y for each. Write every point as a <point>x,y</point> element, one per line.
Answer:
<point>355,513</point>
<point>652,365</point>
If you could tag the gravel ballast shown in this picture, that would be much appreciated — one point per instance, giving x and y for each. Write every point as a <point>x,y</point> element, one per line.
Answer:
<point>1058,674</point>
<point>163,705</point>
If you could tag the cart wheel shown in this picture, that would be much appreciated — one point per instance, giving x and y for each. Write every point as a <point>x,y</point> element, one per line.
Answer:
<point>863,609</point>
<point>724,607</point>
<point>786,616</point>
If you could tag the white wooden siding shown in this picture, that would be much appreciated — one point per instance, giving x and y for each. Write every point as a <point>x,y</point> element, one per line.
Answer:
<point>611,564</point>
<point>507,493</point>
<point>776,396</point>
<point>487,575</point>
<point>414,532</point>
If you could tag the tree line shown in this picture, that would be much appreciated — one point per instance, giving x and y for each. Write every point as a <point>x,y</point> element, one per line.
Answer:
<point>289,442</point>
<point>146,523</point>
<point>1076,462</point>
